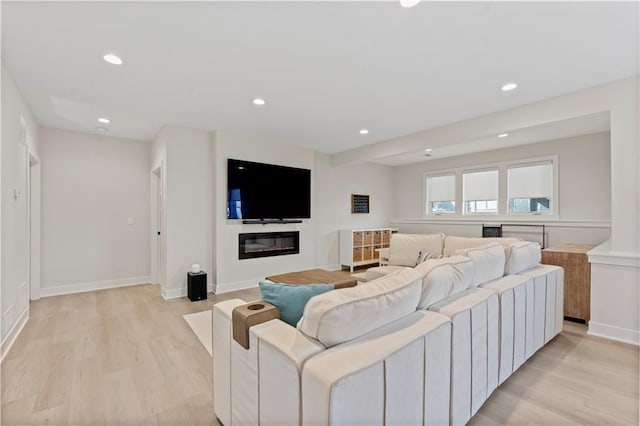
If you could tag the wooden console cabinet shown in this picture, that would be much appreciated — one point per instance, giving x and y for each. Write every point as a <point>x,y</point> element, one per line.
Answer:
<point>577,278</point>
<point>357,246</point>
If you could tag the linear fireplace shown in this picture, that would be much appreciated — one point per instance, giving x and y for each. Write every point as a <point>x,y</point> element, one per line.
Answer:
<point>264,244</point>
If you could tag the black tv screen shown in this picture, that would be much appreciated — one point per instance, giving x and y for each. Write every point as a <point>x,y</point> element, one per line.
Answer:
<point>267,191</point>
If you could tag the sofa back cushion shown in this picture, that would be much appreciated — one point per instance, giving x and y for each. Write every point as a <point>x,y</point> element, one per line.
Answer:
<point>521,256</point>
<point>341,315</point>
<point>488,262</point>
<point>409,249</point>
<point>442,278</point>
<point>381,271</point>
<point>451,244</point>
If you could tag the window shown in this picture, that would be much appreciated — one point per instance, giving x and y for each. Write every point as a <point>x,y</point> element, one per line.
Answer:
<point>482,206</point>
<point>441,194</point>
<point>480,192</point>
<point>504,189</point>
<point>530,188</point>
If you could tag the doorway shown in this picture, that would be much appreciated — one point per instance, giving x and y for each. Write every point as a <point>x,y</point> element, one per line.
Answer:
<point>33,225</point>
<point>157,220</point>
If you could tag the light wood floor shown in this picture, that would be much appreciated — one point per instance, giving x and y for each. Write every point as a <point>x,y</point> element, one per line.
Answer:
<point>126,356</point>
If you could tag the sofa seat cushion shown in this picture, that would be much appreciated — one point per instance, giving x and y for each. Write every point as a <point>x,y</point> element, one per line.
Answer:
<point>488,262</point>
<point>548,284</point>
<point>443,278</point>
<point>506,283</point>
<point>409,249</point>
<point>516,298</point>
<point>453,305</point>
<point>396,375</point>
<point>474,349</point>
<point>521,256</point>
<point>381,271</point>
<point>451,244</point>
<point>342,315</point>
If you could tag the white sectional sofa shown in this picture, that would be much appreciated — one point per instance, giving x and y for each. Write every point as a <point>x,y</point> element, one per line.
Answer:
<point>423,345</point>
<point>345,361</point>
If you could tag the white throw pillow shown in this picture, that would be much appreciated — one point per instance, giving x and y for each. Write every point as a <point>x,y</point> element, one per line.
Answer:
<point>443,278</point>
<point>522,256</point>
<point>488,262</point>
<point>451,244</point>
<point>406,249</point>
<point>341,315</point>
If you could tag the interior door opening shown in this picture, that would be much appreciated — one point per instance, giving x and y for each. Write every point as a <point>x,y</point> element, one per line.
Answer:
<point>156,220</point>
<point>33,226</point>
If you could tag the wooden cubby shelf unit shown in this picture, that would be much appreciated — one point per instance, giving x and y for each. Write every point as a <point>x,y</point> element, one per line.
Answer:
<point>358,246</point>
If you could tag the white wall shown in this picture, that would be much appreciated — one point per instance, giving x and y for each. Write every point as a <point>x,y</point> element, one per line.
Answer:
<point>233,273</point>
<point>15,236</point>
<point>584,180</point>
<point>196,230</point>
<point>615,296</point>
<point>333,186</point>
<point>91,185</point>
<point>189,213</point>
<point>186,157</point>
<point>158,202</point>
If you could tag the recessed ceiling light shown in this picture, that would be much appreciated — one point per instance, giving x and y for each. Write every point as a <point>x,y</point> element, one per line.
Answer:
<point>259,102</point>
<point>509,86</point>
<point>428,150</point>
<point>409,3</point>
<point>364,132</point>
<point>102,129</point>
<point>503,135</point>
<point>104,120</point>
<point>112,59</point>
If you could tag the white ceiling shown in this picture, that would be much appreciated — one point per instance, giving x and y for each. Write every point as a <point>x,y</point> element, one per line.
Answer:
<point>326,69</point>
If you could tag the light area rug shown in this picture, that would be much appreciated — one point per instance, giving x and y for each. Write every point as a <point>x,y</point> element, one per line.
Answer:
<point>200,323</point>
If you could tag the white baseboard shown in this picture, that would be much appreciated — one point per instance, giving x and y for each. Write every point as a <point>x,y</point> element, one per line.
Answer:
<point>238,285</point>
<point>91,286</point>
<point>335,267</point>
<point>174,293</point>
<point>8,342</point>
<point>611,332</point>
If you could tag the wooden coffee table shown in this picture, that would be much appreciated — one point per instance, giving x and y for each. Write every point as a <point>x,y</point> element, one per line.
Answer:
<point>339,279</point>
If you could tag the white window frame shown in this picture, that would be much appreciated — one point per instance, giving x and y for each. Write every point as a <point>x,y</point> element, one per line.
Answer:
<point>503,201</point>
<point>464,202</point>
<point>425,198</point>
<point>553,206</point>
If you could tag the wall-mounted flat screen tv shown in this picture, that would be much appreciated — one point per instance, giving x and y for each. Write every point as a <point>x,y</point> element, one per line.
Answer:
<point>267,191</point>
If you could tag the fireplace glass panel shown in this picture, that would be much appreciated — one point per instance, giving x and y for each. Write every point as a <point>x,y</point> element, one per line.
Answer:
<point>265,244</point>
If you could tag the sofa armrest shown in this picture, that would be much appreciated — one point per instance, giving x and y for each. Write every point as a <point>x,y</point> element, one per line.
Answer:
<point>288,341</point>
<point>266,377</point>
<point>250,314</point>
<point>221,348</point>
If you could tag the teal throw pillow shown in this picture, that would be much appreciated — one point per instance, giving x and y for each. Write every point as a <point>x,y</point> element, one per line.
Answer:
<point>291,299</point>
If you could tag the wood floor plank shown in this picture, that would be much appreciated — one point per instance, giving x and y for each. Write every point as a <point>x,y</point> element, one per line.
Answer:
<point>126,356</point>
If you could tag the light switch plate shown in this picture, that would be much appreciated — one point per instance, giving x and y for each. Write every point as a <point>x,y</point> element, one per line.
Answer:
<point>129,221</point>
